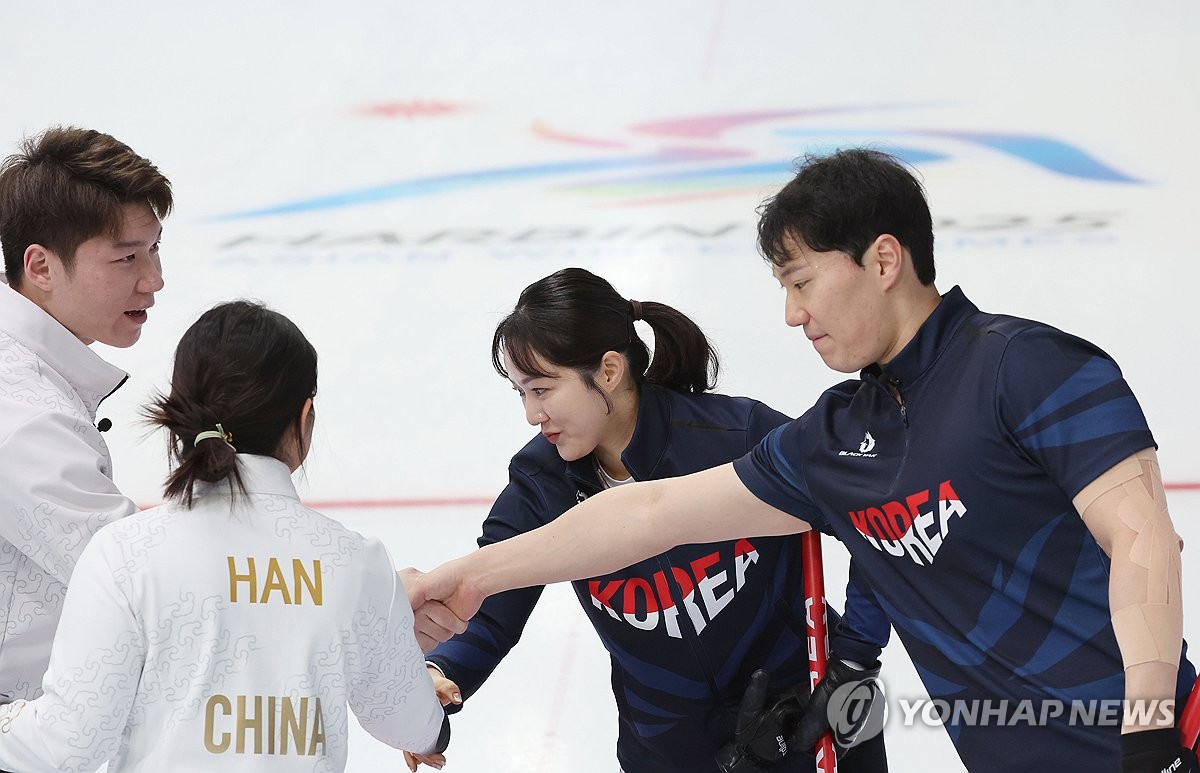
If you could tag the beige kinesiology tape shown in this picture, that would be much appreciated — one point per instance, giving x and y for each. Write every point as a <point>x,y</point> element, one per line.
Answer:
<point>1129,504</point>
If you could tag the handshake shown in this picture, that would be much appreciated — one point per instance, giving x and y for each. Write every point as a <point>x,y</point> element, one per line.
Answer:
<point>434,620</point>
<point>848,702</point>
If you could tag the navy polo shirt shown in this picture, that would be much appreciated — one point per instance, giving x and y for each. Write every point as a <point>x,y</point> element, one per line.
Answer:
<point>955,502</point>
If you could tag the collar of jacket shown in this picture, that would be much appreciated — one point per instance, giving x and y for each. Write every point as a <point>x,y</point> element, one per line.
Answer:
<point>29,325</point>
<point>927,345</point>
<point>261,474</point>
<point>646,447</point>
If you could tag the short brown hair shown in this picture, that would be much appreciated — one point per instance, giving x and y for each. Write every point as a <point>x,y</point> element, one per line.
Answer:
<point>68,185</point>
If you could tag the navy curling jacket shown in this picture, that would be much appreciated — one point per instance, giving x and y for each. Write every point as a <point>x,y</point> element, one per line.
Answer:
<point>684,629</point>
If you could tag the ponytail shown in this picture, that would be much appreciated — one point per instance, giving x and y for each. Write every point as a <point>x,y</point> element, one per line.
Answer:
<point>684,358</point>
<point>572,317</point>
<point>242,375</point>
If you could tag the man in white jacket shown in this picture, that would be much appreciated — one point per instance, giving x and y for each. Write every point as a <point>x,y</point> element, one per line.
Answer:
<point>80,226</point>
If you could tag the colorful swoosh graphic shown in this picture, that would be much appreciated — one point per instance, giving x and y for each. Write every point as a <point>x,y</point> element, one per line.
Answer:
<point>618,172</point>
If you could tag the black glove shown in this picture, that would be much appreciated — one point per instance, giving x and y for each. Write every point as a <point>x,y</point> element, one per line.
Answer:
<point>853,711</point>
<point>1155,751</point>
<point>761,736</point>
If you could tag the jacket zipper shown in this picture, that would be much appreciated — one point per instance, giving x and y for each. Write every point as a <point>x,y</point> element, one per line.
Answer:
<point>893,388</point>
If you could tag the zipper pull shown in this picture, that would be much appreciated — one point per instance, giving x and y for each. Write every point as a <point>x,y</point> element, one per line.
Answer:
<point>893,385</point>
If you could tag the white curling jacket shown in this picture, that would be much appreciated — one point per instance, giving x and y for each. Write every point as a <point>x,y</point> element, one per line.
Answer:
<point>56,485</point>
<point>230,636</point>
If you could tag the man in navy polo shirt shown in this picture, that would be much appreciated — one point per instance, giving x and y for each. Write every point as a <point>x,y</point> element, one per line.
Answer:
<point>994,479</point>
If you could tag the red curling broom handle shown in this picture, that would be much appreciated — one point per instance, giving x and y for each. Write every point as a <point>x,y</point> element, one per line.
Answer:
<point>818,633</point>
<point>1189,723</point>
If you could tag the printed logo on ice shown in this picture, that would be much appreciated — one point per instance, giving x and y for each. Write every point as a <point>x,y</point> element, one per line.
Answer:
<point>916,527</point>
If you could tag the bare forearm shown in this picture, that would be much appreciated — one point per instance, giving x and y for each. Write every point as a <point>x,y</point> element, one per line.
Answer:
<point>610,531</point>
<point>628,524</point>
<point>600,535</point>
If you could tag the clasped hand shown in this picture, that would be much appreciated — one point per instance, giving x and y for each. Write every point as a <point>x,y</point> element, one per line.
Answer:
<point>441,601</point>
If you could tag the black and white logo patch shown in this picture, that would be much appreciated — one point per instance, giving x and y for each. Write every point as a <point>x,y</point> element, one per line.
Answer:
<point>865,448</point>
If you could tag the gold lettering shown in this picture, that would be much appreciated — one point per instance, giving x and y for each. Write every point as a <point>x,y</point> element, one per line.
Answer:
<point>300,576</point>
<point>271,714</point>
<point>245,723</point>
<point>215,747</point>
<point>275,581</point>
<point>293,725</point>
<point>234,578</point>
<point>318,730</point>
<point>284,718</point>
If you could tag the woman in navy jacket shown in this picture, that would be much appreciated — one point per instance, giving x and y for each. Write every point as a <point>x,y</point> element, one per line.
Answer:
<point>684,629</point>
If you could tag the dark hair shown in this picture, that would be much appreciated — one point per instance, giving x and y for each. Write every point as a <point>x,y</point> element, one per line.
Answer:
<point>245,367</point>
<point>572,317</point>
<point>843,202</point>
<point>69,185</point>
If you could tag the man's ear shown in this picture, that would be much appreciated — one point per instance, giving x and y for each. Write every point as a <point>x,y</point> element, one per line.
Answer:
<point>890,258</point>
<point>41,266</point>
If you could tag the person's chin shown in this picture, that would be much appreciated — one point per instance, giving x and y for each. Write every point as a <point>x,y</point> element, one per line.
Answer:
<point>568,454</point>
<point>840,365</point>
<point>122,340</point>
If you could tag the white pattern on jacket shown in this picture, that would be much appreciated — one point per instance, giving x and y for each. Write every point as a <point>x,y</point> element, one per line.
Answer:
<point>174,654</point>
<point>56,485</point>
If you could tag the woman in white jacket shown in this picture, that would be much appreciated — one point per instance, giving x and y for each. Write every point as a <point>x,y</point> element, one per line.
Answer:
<point>230,628</point>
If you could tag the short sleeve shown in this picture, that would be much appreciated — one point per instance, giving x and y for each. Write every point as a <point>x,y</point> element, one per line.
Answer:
<point>1066,405</point>
<point>773,472</point>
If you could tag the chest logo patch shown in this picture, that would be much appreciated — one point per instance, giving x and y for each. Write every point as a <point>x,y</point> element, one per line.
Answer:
<point>916,527</point>
<point>865,448</point>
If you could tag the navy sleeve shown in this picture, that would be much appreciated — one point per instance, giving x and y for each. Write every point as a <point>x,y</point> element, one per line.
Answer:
<point>864,630</point>
<point>1066,405</point>
<point>772,472</point>
<point>469,658</point>
<point>443,740</point>
<point>763,420</point>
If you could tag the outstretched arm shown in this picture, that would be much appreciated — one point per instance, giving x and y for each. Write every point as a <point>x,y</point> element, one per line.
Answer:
<point>609,531</point>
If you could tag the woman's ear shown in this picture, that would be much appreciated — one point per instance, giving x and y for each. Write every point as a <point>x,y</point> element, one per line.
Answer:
<point>297,439</point>
<point>613,368</point>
